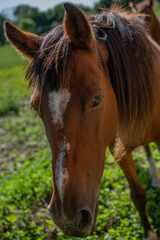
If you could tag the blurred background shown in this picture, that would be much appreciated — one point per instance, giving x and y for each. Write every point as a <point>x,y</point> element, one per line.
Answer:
<point>25,157</point>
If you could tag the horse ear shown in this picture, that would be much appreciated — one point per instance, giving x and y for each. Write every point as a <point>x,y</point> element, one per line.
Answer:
<point>25,43</point>
<point>77,27</point>
<point>133,7</point>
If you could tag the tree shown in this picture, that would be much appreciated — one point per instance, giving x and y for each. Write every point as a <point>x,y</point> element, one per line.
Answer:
<point>59,13</point>
<point>56,14</point>
<point>103,3</point>
<point>27,24</point>
<point>2,37</point>
<point>24,11</point>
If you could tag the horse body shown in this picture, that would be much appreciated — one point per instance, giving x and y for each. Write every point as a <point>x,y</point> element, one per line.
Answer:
<point>96,84</point>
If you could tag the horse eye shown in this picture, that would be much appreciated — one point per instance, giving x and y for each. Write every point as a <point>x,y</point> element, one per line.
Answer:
<point>95,102</point>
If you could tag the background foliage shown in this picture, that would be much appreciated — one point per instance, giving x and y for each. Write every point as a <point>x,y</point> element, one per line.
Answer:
<point>32,19</point>
<point>25,160</point>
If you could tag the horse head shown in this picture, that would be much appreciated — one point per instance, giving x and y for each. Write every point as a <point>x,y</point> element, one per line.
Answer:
<point>74,98</point>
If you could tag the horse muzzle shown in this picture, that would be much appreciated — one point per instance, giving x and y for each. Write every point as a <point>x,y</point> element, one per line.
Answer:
<point>81,224</point>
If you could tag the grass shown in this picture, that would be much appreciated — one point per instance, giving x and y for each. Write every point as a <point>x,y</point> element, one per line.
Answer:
<point>12,85</point>
<point>9,57</point>
<point>26,178</point>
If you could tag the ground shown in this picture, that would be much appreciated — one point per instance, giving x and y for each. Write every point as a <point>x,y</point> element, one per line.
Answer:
<point>26,177</point>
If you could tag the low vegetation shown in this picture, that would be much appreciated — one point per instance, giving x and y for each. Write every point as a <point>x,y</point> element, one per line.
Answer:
<point>26,177</point>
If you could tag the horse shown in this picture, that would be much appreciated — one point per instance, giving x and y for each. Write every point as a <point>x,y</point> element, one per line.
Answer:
<point>95,84</point>
<point>150,17</point>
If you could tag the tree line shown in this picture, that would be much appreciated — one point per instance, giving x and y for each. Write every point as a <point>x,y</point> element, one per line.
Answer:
<point>33,20</point>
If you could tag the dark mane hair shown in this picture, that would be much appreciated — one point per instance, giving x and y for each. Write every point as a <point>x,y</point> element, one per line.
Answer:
<point>52,64</point>
<point>131,71</point>
<point>130,67</point>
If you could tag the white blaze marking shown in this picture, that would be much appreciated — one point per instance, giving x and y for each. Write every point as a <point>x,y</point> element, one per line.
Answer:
<point>61,174</point>
<point>31,99</point>
<point>34,95</point>
<point>57,104</point>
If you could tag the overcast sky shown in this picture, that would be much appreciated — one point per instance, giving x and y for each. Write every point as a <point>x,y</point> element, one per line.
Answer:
<point>42,4</point>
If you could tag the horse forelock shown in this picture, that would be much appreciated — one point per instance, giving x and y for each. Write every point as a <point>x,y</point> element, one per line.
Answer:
<point>52,64</point>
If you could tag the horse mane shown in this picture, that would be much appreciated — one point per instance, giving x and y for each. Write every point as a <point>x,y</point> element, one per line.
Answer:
<point>131,71</point>
<point>130,68</point>
<point>52,65</point>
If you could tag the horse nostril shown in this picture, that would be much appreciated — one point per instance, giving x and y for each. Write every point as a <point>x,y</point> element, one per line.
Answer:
<point>85,219</point>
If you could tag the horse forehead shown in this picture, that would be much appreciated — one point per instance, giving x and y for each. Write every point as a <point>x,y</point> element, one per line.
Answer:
<point>86,65</point>
<point>82,57</point>
<point>88,72</point>
<point>85,59</point>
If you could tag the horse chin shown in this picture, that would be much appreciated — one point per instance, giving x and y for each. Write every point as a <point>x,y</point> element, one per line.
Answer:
<point>69,229</point>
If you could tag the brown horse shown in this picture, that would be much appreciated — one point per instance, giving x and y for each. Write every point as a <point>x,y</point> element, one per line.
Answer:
<point>96,84</point>
<point>151,19</point>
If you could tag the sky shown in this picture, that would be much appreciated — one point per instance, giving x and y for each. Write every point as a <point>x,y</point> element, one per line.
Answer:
<point>42,4</point>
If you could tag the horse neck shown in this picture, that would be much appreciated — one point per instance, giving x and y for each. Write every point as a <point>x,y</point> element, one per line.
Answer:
<point>156,56</point>
<point>154,128</point>
<point>156,72</point>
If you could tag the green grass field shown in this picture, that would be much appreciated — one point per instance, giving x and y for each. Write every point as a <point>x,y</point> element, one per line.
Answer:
<point>26,176</point>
